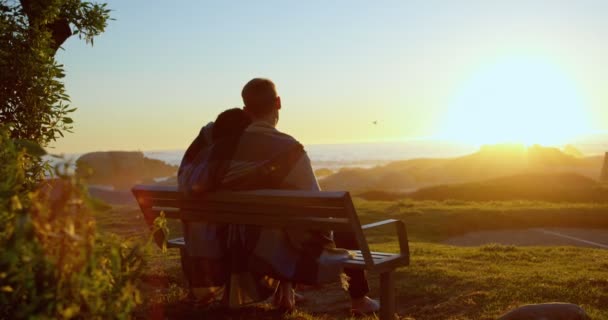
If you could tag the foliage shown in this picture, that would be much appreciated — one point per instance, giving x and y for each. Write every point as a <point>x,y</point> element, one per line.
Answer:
<point>33,102</point>
<point>160,231</point>
<point>53,263</point>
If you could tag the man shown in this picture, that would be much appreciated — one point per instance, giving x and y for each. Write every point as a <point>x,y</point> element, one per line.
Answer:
<point>263,104</point>
<point>265,158</point>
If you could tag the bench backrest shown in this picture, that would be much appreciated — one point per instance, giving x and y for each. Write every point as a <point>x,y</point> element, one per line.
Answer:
<point>276,208</point>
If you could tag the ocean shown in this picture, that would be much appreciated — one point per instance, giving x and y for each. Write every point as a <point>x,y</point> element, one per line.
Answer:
<point>365,155</point>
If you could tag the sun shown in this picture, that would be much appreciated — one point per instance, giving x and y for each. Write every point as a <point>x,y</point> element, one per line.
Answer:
<point>516,100</point>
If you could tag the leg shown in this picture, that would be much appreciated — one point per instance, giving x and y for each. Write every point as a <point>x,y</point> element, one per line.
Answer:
<point>387,296</point>
<point>357,285</point>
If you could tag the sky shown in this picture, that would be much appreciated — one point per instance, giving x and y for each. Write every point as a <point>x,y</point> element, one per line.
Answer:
<point>474,71</point>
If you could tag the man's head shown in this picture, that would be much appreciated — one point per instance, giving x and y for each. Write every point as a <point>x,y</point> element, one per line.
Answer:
<point>261,99</point>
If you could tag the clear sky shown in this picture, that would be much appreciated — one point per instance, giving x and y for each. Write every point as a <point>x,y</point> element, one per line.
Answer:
<point>478,71</point>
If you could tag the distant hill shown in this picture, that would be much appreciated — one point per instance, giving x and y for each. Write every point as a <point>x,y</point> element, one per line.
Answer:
<point>568,187</point>
<point>121,169</point>
<point>487,163</point>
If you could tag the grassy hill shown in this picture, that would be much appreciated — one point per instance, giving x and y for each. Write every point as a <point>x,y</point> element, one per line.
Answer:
<point>488,163</point>
<point>121,169</point>
<point>566,187</point>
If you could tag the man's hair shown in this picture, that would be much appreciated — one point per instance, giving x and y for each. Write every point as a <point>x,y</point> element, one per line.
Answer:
<point>259,96</point>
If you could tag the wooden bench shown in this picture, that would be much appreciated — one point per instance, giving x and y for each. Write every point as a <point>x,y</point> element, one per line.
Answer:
<point>283,208</point>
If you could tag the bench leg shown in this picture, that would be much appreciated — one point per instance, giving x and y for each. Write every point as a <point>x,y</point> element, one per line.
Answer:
<point>387,296</point>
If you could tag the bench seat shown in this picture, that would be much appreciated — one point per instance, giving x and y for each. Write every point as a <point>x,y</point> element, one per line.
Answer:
<point>381,259</point>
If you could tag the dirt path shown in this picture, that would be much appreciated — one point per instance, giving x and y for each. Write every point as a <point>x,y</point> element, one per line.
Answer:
<point>593,238</point>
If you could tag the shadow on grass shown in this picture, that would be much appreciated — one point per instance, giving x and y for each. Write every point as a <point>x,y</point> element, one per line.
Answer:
<point>435,294</point>
<point>185,310</point>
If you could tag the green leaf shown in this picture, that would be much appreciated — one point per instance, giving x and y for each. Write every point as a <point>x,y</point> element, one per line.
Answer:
<point>67,120</point>
<point>31,147</point>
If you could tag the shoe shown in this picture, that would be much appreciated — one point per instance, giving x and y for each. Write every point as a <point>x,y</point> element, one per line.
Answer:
<point>299,298</point>
<point>365,306</point>
<point>284,298</point>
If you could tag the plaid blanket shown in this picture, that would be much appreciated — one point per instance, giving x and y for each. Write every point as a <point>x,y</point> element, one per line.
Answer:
<point>240,264</point>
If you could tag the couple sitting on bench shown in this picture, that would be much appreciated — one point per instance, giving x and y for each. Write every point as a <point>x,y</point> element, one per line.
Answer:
<point>240,264</point>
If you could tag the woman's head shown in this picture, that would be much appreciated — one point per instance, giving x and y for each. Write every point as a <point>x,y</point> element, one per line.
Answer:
<point>229,123</point>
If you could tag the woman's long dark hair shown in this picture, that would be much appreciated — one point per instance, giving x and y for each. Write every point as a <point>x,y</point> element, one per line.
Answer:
<point>230,123</point>
<point>227,130</point>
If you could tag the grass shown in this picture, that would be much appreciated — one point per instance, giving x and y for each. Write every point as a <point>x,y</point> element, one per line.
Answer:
<point>443,282</point>
<point>446,282</point>
<point>435,221</point>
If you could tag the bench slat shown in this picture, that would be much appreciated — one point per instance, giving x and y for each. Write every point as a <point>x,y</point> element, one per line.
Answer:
<point>382,260</point>
<point>380,264</point>
<point>281,197</point>
<point>176,243</point>
<point>375,255</point>
<point>258,209</point>
<point>269,197</point>
<point>285,221</point>
<point>305,223</point>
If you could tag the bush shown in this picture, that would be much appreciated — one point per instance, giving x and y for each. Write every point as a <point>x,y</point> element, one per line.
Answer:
<point>53,263</point>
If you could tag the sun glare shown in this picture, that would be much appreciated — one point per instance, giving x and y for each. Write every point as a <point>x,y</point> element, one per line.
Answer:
<point>517,100</point>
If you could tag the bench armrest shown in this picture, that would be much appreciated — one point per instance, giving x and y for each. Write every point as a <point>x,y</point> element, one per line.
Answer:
<point>401,233</point>
<point>379,224</point>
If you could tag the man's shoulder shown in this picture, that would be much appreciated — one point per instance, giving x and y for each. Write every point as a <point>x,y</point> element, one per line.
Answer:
<point>267,131</point>
<point>288,137</point>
